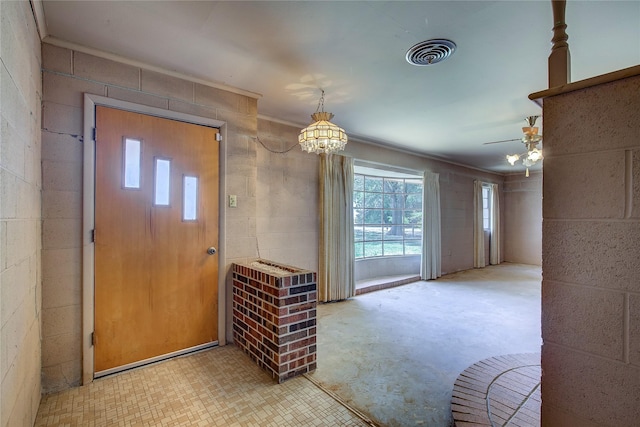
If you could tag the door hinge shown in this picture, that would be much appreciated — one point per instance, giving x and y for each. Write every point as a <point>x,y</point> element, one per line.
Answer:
<point>95,133</point>
<point>218,137</point>
<point>93,235</point>
<point>93,338</point>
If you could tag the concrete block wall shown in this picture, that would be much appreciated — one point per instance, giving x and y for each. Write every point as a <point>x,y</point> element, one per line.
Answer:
<point>591,263</point>
<point>287,196</point>
<point>66,76</point>
<point>20,223</point>
<point>523,218</point>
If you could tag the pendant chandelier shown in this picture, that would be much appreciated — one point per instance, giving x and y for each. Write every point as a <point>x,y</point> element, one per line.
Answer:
<point>322,136</point>
<point>530,140</point>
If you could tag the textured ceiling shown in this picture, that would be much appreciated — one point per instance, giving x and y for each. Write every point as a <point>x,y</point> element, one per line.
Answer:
<point>355,51</point>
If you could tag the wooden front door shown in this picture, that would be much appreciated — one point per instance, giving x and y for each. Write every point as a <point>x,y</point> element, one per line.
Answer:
<point>156,216</point>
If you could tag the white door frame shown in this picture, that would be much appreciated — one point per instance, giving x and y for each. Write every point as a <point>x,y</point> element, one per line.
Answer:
<point>88,215</point>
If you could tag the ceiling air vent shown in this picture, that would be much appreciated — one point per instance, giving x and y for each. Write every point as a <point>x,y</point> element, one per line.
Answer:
<point>430,52</point>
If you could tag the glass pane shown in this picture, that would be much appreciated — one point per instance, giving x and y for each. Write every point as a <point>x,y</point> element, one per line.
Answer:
<point>358,233</point>
<point>413,201</point>
<point>373,216</point>
<point>394,201</point>
<point>412,247</point>
<point>372,184</point>
<point>373,249</point>
<point>393,185</point>
<point>393,217</point>
<point>394,232</point>
<point>387,216</point>
<point>413,186</point>
<point>358,199</point>
<point>162,182</point>
<point>373,200</point>
<point>372,233</point>
<point>413,231</point>
<point>190,202</point>
<point>359,250</point>
<point>132,163</point>
<point>412,217</point>
<point>392,248</point>
<point>358,182</point>
<point>358,216</point>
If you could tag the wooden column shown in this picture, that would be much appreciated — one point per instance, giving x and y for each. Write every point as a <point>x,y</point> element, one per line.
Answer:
<point>560,58</point>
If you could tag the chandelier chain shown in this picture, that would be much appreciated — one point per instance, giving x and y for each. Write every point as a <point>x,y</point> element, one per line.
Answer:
<point>320,107</point>
<point>272,150</point>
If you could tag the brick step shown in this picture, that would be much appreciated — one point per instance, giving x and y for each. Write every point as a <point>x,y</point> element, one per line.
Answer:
<point>501,390</point>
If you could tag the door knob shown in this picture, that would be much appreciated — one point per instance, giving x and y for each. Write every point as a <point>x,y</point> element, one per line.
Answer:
<point>211,250</point>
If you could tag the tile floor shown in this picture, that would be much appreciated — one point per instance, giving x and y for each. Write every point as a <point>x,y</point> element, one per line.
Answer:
<point>218,387</point>
<point>405,348</point>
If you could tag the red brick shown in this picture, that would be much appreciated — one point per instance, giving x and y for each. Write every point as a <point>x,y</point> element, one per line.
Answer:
<point>295,354</point>
<point>294,318</point>
<point>302,343</point>
<point>250,339</point>
<point>301,307</point>
<point>296,364</point>
<point>251,323</point>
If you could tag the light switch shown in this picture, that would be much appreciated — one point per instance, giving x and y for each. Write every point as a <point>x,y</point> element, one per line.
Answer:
<point>233,201</point>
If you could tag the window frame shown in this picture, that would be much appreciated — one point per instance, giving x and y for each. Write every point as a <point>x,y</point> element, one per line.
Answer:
<point>486,207</point>
<point>382,198</point>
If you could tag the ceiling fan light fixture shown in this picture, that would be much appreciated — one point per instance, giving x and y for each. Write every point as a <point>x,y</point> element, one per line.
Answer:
<point>322,136</point>
<point>513,158</point>
<point>535,155</point>
<point>530,138</point>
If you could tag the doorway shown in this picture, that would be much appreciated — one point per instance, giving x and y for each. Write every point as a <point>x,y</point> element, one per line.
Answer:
<point>152,233</point>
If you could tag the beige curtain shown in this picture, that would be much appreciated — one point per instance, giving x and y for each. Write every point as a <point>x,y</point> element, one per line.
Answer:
<point>335,267</point>
<point>478,229</point>
<point>494,245</point>
<point>431,267</point>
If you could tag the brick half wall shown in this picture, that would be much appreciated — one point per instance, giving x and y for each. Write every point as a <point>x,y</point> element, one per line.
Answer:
<point>274,317</point>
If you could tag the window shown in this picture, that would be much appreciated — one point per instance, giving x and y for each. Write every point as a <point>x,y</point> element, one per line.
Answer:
<point>486,211</point>
<point>387,214</point>
<point>161,182</point>
<point>132,163</point>
<point>190,198</point>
